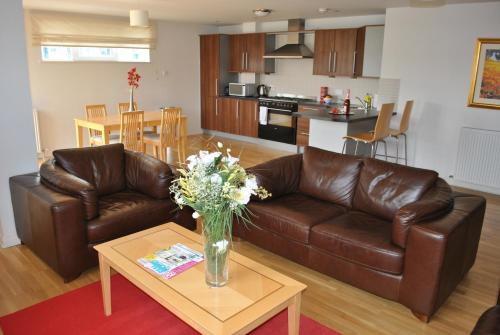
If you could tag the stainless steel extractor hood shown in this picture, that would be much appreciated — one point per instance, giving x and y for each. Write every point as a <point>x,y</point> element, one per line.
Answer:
<point>295,47</point>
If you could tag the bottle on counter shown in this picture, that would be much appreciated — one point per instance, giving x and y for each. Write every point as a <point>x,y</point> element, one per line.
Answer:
<point>368,101</point>
<point>323,93</point>
<point>347,102</point>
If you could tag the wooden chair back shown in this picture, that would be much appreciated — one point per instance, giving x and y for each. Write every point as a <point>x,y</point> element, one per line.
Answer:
<point>93,112</point>
<point>124,106</point>
<point>382,127</point>
<point>169,131</point>
<point>132,130</point>
<point>405,118</point>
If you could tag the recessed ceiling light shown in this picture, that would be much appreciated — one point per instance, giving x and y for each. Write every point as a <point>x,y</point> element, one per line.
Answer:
<point>323,10</point>
<point>261,12</point>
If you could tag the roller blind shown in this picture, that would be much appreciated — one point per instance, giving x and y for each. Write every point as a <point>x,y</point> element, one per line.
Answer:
<point>68,29</point>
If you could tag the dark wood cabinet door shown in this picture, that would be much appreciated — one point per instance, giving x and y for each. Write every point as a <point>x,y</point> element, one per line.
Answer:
<point>228,115</point>
<point>256,47</point>
<point>345,52</point>
<point>248,118</point>
<point>209,76</point>
<point>237,53</point>
<point>324,44</point>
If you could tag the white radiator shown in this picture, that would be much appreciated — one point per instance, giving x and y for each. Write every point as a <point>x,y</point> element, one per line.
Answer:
<point>478,159</point>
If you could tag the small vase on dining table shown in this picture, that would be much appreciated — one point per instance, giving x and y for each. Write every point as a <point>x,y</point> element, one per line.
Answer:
<point>131,104</point>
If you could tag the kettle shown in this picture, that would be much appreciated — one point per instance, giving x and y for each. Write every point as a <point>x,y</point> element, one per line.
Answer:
<point>262,90</point>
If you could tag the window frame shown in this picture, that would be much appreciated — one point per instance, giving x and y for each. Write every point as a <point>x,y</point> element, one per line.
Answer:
<point>77,58</point>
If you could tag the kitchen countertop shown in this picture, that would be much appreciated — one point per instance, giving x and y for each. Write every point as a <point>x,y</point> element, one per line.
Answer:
<point>237,97</point>
<point>358,115</point>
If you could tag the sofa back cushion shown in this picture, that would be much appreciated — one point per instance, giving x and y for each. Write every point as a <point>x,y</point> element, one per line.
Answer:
<point>102,166</point>
<point>385,187</point>
<point>329,176</point>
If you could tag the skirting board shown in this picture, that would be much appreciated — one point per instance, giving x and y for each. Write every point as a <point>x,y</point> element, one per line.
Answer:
<point>9,241</point>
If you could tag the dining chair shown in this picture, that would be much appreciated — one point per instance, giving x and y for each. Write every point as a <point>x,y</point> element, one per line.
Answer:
<point>379,134</point>
<point>124,106</point>
<point>95,136</point>
<point>132,130</point>
<point>169,135</point>
<point>403,128</point>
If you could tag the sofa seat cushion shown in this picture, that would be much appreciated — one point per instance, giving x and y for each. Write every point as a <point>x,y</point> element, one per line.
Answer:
<point>361,238</point>
<point>127,212</point>
<point>293,215</point>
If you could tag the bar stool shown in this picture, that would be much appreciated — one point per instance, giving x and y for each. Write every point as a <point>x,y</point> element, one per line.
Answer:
<point>403,128</point>
<point>379,134</point>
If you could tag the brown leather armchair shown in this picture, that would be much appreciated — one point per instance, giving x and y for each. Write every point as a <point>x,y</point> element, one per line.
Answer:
<point>395,231</point>
<point>87,196</point>
<point>489,322</point>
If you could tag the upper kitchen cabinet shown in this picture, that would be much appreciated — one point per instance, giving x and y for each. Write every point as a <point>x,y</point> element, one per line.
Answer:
<point>214,76</point>
<point>369,46</point>
<point>247,50</point>
<point>335,52</point>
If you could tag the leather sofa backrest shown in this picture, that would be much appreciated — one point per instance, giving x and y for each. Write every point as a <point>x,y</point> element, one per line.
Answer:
<point>329,176</point>
<point>147,175</point>
<point>385,187</point>
<point>102,166</point>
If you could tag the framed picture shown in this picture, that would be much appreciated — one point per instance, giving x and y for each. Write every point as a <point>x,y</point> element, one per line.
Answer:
<point>485,82</point>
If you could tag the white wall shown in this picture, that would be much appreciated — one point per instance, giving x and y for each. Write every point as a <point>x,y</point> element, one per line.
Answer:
<point>61,90</point>
<point>431,52</point>
<point>17,141</point>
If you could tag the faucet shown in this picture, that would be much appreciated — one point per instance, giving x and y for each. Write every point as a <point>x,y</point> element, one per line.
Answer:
<point>364,104</point>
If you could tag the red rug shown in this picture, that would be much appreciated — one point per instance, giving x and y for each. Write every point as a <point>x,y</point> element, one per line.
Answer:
<point>134,312</point>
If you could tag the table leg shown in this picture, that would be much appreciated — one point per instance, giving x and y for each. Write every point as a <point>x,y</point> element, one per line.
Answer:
<point>79,135</point>
<point>105,136</point>
<point>183,140</point>
<point>294,315</point>
<point>104,270</point>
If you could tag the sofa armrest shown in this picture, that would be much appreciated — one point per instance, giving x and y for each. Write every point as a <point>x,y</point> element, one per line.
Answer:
<point>64,182</point>
<point>51,224</point>
<point>435,203</point>
<point>147,175</point>
<point>279,176</point>
<point>439,253</point>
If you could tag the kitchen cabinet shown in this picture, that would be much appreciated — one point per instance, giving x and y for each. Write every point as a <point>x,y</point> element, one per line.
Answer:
<point>335,52</point>
<point>248,118</point>
<point>369,44</point>
<point>247,50</point>
<point>302,131</point>
<point>227,115</point>
<point>214,76</point>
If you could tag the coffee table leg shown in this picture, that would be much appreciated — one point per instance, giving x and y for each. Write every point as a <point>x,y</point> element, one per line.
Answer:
<point>104,270</point>
<point>294,315</point>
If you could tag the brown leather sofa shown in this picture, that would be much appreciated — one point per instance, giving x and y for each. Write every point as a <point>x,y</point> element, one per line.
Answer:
<point>395,231</point>
<point>86,196</point>
<point>489,322</point>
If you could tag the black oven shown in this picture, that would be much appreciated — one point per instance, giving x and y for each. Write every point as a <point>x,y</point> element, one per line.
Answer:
<point>276,120</point>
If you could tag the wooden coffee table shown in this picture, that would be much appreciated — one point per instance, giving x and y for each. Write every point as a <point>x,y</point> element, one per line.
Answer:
<point>254,294</point>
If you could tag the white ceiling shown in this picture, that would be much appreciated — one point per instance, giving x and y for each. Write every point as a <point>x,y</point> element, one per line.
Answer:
<point>226,11</point>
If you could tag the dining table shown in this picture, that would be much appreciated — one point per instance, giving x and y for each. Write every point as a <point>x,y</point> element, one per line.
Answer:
<point>111,122</point>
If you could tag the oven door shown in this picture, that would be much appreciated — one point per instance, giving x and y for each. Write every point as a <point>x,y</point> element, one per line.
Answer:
<point>281,126</point>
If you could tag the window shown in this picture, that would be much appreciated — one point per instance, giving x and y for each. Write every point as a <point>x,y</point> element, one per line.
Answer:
<point>54,53</point>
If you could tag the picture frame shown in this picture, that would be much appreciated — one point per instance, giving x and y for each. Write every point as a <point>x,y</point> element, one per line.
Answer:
<point>485,81</point>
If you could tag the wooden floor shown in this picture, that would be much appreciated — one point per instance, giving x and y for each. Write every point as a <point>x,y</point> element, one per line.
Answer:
<point>25,280</point>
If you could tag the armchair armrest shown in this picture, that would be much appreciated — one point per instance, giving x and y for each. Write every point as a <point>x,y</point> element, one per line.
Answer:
<point>279,176</point>
<point>435,203</point>
<point>59,180</point>
<point>147,175</point>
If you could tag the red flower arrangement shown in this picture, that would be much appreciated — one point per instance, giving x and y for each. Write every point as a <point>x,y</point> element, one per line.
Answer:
<point>133,78</point>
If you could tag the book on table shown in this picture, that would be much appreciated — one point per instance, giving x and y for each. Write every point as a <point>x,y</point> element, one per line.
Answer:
<point>172,261</point>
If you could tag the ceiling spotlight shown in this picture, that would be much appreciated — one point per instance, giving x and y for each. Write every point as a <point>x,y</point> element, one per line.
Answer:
<point>261,12</point>
<point>323,10</point>
<point>139,18</point>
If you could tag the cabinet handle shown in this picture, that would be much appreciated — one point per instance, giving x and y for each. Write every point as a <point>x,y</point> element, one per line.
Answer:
<point>256,111</point>
<point>309,109</point>
<point>246,60</point>
<point>302,133</point>
<point>330,61</point>
<point>243,60</point>
<point>216,87</point>
<point>216,107</point>
<point>354,63</point>
<point>334,61</point>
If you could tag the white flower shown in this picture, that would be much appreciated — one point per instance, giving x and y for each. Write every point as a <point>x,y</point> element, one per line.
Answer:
<point>208,158</point>
<point>219,144</point>
<point>215,179</point>
<point>241,196</point>
<point>251,183</point>
<point>196,215</point>
<point>228,150</point>
<point>230,160</point>
<point>221,245</point>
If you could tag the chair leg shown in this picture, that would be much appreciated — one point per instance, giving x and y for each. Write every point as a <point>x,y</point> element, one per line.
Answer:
<point>343,147</point>
<point>406,150</point>
<point>397,149</point>
<point>356,149</point>
<point>385,149</point>
<point>155,151</point>
<point>376,150</point>
<point>371,149</point>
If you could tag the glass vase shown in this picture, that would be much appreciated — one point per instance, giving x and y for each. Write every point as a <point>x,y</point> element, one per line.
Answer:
<point>131,101</point>
<point>216,252</point>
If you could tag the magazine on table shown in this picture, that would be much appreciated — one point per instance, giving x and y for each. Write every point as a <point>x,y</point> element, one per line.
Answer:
<point>172,261</point>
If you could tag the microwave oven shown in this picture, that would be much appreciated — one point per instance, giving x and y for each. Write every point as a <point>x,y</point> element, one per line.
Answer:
<point>242,90</point>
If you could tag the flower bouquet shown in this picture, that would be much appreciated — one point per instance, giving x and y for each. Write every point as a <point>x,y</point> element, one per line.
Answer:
<point>218,189</point>
<point>133,82</point>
